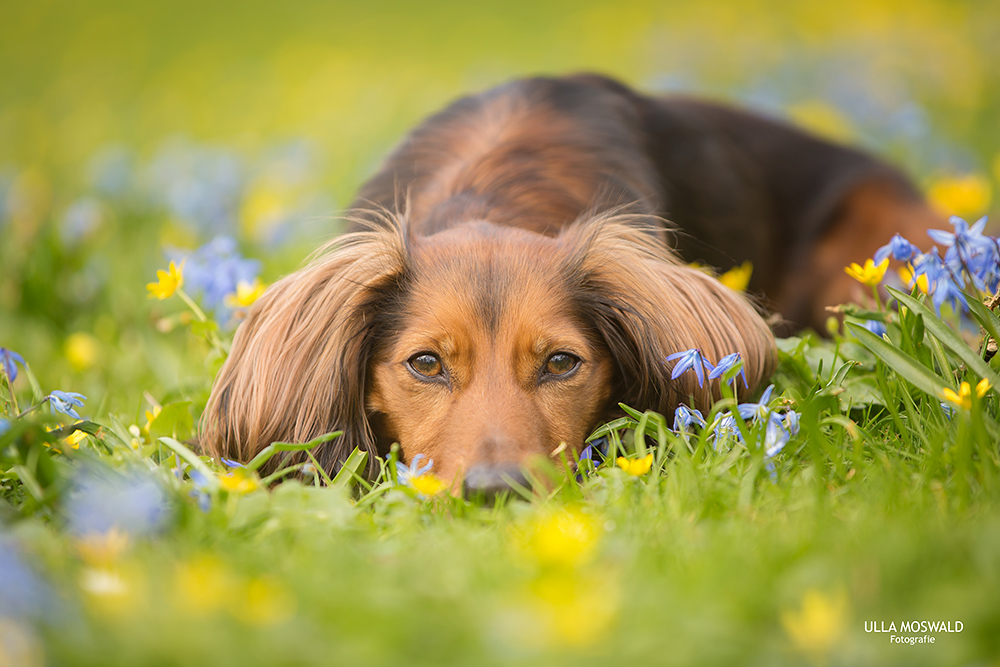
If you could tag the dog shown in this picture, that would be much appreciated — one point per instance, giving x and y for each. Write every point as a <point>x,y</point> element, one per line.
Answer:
<point>510,276</point>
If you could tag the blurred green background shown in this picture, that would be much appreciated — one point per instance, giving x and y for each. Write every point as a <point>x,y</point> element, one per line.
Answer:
<point>128,129</point>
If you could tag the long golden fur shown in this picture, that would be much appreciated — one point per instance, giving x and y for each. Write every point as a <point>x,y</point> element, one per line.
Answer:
<point>511,277</point>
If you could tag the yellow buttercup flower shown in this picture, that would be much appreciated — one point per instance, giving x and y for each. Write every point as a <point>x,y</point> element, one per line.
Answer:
<point>246,294</point>
<point>636,467</point>
<point>103,549</point>
<point>870,274</point>
<point>427,484</point>
<point>964,196</point>
<point>82,350</point>
<point>238,481</point>
<point>819,624</point>
<point>963,399</point>
<point>151,417</point>
<point>168,282</point>
<point>906,275</point>
<point>738,277</point>
<point>559,539</point>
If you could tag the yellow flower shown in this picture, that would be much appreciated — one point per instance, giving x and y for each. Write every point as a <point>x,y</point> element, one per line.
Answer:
<point>963,399</point>
<point>636,467</point>
<point>202,586</point>
<point>102,549</point>
<point>738,277</point>
<point>870,274</point>
<point>238,481</point>
<point>246,294</point>
<point>565,537</point>
<point>82,350</point>
<point>263,602</point>
<point>964,196</point>
<point>548,612</point>
<point>823,119</point>
<point>75,438</point>
<point>906,275</point>
<point>168,282</point>
<point>151,417</point>
<point>427,484</point>
<point>819,624</point>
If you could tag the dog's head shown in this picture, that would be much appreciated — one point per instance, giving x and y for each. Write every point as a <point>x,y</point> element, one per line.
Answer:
<point>480,346</point>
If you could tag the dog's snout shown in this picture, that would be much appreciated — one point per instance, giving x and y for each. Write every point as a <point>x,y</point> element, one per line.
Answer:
<point>486,481</point>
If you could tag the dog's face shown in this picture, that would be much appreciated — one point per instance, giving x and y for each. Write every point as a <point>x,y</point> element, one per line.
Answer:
<point>480,346</point>
<point>491,363</point>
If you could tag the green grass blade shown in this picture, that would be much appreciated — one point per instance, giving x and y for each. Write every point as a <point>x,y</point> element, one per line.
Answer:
<point>191,458</point>
<point>264,455</point>
<point>905,365</point>
<point>948,337</point>
<point>986,318</point>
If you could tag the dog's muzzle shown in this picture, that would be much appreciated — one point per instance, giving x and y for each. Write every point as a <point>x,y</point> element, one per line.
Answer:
<point>486,482</point>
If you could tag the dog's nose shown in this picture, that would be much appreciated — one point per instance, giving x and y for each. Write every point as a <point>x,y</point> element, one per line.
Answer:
<point>486,481</point>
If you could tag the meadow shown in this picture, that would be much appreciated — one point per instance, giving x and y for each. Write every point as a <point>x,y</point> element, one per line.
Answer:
<point>804,526</point>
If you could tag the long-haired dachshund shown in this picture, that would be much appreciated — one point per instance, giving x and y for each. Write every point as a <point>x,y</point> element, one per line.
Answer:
<point>511,276</point>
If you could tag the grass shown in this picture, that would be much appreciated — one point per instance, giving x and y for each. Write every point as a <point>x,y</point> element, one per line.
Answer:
<point>123,547</point>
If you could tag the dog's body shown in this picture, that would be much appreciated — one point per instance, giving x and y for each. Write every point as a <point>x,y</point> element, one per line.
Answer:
<point>510,277</point>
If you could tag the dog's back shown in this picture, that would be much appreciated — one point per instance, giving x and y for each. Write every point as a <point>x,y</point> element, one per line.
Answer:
<point>735,186</point>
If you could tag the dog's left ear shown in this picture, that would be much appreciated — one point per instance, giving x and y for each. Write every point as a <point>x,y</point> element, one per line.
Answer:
<point>646,305</point>
<point>298,365</point>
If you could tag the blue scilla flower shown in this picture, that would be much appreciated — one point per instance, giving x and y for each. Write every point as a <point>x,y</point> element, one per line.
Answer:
<point>726,427</point>
<point>405,472</point>
<point>102,498</point>
<point>899,248</point>
<point>758,410</point>
<point>685,417</point>
<point>213,271</point>
<point>780,429</point>
<point>23,594</point>
<point>876,327</point>
<point>969,250</point>
<point>596,451</point>
<point>66,402</point>
<point>4,425</point>
<point>688,360</point>
<point>9,359</point>
<point>726,364</point>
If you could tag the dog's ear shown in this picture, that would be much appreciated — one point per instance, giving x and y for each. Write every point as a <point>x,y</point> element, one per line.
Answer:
<point>646,305</point>
<point>298,364</point>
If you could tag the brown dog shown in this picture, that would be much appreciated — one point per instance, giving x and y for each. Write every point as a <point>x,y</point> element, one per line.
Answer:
<point>511,278</point>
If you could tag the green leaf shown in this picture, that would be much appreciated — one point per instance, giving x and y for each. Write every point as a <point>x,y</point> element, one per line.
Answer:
<point>190,458</point>
<point>351,470</point>
<point>948,337</point>
<point>173,421</point>
<point>264,455</point>
<point>986,318</point>
<point>903,364</point>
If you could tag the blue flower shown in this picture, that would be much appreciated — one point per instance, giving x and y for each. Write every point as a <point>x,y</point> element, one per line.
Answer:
<point>64,402</point>
<point>780,429</point>
<point>229,463</point>
<point>23,595</point>
<point>900,249</point>
<point>726,427</point>
<point>876,327</point>
<point>4,425</point>
<point>726,364</point>
<point>690,359</point>
<point>596,452</point>
<point>213,271</point>
<point>9,360</point>
<point>684,417</point>
<point>758,410</point>
<point>102,499</point>
<point>405,472</point>
<point>971,251</point>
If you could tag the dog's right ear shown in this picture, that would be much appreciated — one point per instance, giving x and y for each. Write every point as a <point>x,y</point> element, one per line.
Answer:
<point>297,368</point>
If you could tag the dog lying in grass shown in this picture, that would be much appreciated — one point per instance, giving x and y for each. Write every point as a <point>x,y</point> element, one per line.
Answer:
<point>512,276</point>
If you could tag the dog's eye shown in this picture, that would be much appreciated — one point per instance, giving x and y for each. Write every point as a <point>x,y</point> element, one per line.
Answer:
<point>561,363</point>
<point>426,364</point>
